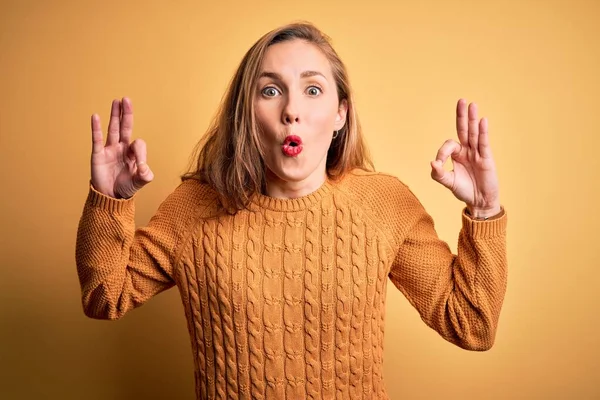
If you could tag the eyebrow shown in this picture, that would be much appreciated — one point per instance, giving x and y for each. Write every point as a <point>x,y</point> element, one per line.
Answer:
<point>275,75</point>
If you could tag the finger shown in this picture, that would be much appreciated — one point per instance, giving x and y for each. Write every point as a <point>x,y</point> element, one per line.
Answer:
<point>113,125</point>
<point>143,174</point>
<point>473,127</point>
<point>450,147</point>
<point>462,122</point>
<point>97,145</point>
<point>126,120</point>
<point>485,149</point>
<point>138,149</point>
<point>439,174</point>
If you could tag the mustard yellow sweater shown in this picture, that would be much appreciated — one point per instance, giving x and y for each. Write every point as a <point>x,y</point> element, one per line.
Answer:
<point>286,300</point>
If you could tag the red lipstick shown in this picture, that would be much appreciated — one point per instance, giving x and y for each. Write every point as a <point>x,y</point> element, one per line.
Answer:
<point>292,146</point>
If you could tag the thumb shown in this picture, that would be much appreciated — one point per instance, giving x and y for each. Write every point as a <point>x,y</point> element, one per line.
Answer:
<point>440,175</point>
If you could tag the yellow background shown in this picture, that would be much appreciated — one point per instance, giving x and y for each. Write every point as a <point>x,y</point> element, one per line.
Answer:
<point>532,66</point>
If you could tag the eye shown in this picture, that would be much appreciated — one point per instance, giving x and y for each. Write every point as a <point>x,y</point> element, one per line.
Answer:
<point>270,91</point>
<point>314,90</point>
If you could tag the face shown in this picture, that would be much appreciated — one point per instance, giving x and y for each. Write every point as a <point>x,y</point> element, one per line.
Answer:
<point>298,110</point>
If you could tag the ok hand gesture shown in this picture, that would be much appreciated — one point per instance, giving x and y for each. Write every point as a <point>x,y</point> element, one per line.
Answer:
<point>119,168</point>
<point>473,179</point>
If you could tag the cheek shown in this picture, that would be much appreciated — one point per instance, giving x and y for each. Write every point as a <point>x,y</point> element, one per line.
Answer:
<point>321,127</point>
<point>260,112</point>
<point>322,118</point>
<point>266,117</point>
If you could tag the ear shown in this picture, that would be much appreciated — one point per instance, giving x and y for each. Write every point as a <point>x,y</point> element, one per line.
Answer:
<point>340,118</point>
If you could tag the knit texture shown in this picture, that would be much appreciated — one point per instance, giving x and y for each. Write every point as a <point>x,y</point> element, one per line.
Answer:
<point>286,300</point>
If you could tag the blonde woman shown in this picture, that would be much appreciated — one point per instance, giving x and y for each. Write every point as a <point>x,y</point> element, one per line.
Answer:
<point>281,237</point>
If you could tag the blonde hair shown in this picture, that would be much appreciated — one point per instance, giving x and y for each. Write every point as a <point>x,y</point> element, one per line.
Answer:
<point>228,157</point>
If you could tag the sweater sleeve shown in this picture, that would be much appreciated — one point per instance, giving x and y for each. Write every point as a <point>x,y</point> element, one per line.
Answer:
<point>459,296</point>
<point>121,267</point>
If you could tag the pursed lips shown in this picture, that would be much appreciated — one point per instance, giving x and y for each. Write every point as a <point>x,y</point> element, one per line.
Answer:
<point>292,145</point>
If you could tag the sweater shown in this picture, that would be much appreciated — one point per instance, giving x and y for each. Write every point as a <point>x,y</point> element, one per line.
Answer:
<point>286,299</point>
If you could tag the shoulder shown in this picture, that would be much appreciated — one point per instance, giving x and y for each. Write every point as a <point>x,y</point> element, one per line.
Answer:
<point>375,187</point>
<point>190,198</point>
<point>385,197</point>
<point>195,192</point>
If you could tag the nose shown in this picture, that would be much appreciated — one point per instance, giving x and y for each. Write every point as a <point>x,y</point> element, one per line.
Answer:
<point>291,114</point>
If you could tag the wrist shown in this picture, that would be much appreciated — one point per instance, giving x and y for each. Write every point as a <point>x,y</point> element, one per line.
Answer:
<point>479,213</point>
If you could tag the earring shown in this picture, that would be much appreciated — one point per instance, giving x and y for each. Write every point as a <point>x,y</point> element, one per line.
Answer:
<point>335,134</point>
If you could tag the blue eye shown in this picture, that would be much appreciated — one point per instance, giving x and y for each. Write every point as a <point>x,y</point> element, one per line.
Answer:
<point>314,90</point>
<point>270,91</point>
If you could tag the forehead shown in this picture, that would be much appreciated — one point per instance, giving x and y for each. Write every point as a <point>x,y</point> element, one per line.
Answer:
<point>294,57</point>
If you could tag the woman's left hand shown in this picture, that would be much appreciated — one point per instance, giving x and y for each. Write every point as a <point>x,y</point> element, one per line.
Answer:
<point>473,179</point>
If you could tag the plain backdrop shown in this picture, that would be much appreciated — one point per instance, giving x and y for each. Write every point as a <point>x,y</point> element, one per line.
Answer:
<point>531,66</point>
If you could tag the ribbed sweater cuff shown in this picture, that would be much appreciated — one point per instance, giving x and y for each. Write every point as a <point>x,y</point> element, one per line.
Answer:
<point>110,204</point>
<point>485,229</point>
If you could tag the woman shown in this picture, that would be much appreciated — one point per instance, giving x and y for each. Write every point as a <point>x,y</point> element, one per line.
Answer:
<point>281,237</point>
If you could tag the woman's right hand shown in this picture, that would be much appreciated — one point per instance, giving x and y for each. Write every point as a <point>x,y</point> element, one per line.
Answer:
<point>119,168</point>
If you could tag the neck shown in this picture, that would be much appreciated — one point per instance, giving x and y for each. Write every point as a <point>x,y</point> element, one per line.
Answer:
<point>282,189</point>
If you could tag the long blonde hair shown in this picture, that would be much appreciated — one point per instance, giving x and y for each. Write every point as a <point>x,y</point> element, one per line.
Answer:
<point>228,157</point>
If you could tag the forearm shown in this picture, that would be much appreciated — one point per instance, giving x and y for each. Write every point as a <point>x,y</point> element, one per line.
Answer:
<point>101,253</point>
<point>117,270</point>
<point>459,296</point>
<point>479,282</point>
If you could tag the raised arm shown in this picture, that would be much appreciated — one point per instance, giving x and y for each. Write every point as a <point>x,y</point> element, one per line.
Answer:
<point>120,268</point>
<point>460,296</point>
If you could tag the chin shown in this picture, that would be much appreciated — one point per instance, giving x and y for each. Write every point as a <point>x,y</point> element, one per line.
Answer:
<point>291,173</point>
<point>292,170</point>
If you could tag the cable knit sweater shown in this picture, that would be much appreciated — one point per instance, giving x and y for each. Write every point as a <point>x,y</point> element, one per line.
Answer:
<point>286,300</point>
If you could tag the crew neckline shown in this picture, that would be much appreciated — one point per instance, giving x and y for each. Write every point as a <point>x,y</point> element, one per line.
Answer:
<point>263,201</point>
